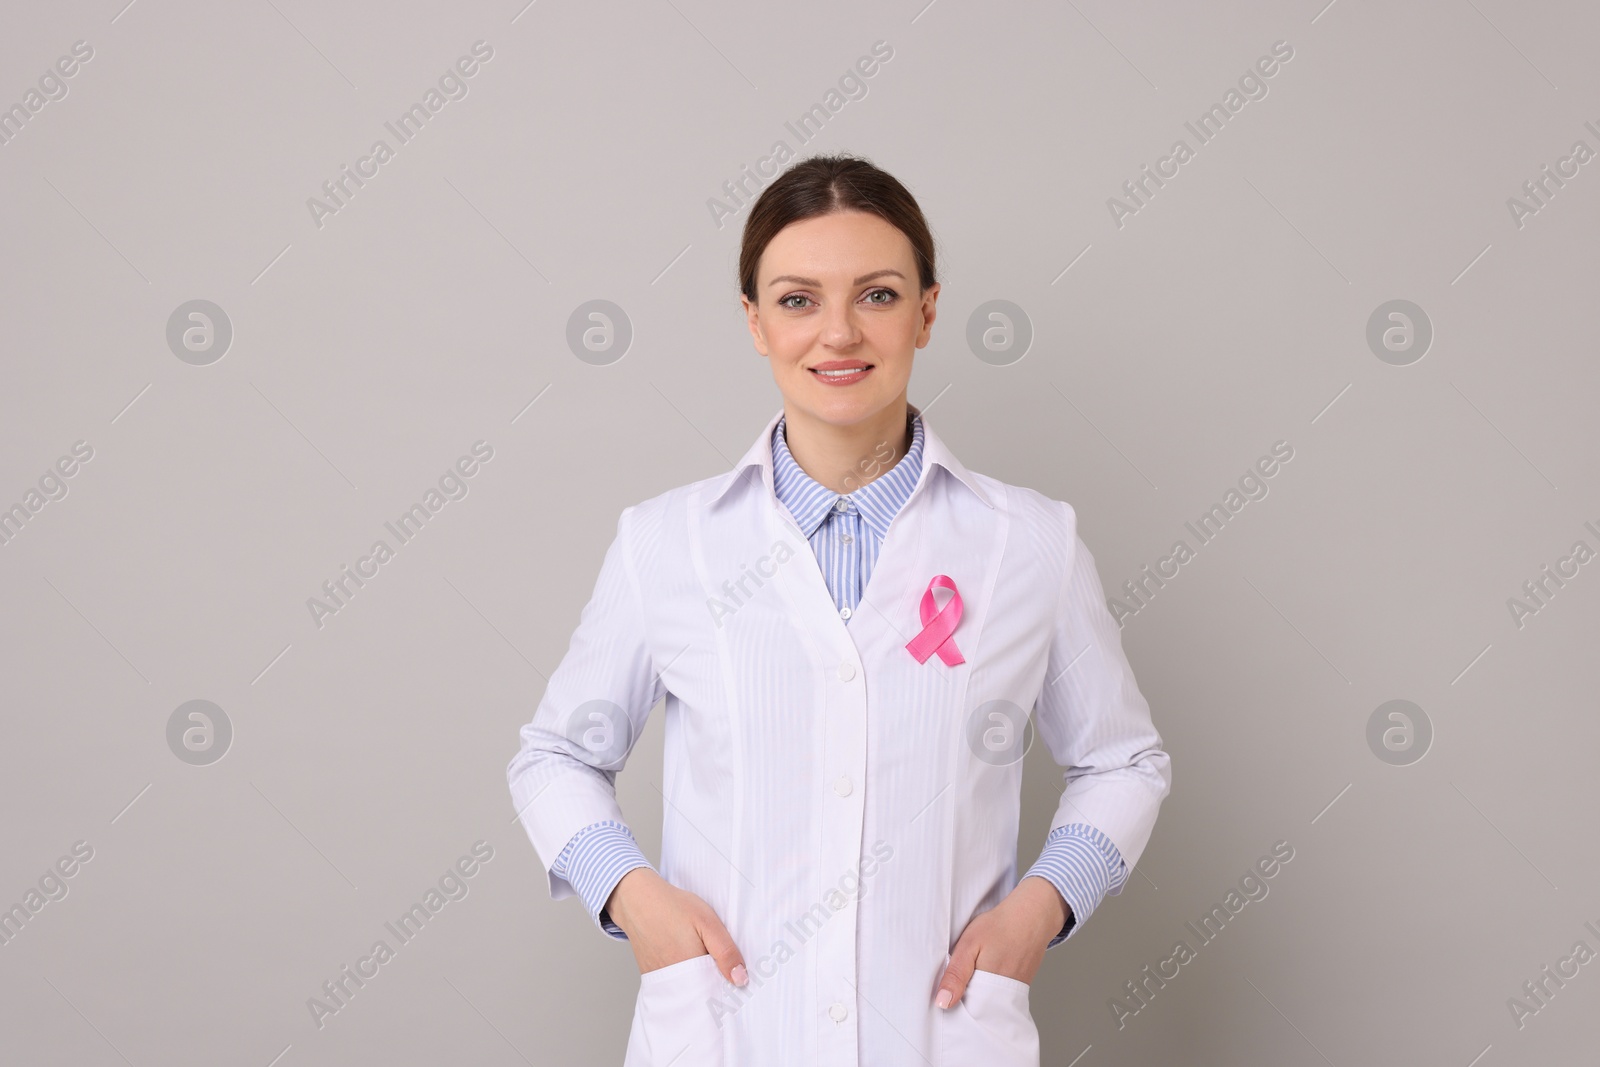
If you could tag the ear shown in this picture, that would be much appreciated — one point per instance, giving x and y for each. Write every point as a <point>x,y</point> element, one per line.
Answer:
<point>753,320</point>
<point>930,311</point>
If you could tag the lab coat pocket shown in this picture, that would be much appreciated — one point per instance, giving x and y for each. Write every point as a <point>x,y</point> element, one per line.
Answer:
<point>675,1013</point>
<point>990,1026</point>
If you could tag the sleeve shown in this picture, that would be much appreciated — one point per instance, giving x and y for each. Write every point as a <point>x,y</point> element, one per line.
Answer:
<point>594,861</point>
<point>563,778</point>
<point>1083,864</point>
<point>1095,721</point>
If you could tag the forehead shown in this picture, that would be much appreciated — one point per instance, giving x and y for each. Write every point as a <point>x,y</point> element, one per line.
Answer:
<point>841,243</point>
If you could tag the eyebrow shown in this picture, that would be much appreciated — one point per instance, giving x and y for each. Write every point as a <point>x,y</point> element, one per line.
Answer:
<point>812,281</point>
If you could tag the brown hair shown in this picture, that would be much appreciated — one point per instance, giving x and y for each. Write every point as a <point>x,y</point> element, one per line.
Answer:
<point>826,185</point>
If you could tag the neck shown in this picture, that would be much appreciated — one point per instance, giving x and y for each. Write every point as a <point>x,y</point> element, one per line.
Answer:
<point>844,458</point>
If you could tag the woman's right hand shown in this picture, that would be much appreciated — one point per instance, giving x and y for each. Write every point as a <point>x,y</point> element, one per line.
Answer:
<point>667,925</point>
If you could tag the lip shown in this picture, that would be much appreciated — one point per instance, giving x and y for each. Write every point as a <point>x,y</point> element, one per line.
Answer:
<point>862,367</point>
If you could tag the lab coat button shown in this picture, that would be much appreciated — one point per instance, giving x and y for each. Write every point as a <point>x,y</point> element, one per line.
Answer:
<point>846,672</point>
<point>838,1012</point>
<point>842,786</point>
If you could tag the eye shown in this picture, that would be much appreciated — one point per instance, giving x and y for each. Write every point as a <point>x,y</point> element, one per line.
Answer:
<point>891,295</point>
<point>784,302</point>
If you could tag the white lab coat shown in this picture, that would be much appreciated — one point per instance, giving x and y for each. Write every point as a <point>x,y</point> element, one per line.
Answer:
<point>845,809</point>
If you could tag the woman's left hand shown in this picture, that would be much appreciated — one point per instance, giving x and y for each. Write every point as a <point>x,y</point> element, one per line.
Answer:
<point>1008,939</point>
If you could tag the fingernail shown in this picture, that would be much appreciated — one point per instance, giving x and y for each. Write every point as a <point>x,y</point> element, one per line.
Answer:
<point>740,975</point>
<point>943,999</point>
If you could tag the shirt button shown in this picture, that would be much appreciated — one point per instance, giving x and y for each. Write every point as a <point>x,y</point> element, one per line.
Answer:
<point>843,504</point>
<point>846,538</point>
<point>842,786</point>
<point>838,1012</point>
<point>844,613</point>
<point>846,672</point>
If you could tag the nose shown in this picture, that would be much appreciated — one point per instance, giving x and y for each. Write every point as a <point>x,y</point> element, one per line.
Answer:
<point>839,326</point>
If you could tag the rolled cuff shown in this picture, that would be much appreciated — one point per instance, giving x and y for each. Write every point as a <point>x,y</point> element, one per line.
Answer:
<point>1083,865</point>
<point>593,862</point>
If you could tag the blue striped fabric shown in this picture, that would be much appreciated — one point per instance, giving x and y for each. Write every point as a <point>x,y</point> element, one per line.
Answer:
<point>1084,865</point>
<point>594,861</point>
<point>846,533</point>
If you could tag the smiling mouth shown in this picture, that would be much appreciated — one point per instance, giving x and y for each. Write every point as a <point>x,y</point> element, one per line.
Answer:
<point>841,375</point>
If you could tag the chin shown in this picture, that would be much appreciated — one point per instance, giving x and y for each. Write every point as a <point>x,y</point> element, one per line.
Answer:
<point>846,410</point>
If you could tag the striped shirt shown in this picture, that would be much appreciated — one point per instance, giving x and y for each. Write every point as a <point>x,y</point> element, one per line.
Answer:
<point>846,532</point>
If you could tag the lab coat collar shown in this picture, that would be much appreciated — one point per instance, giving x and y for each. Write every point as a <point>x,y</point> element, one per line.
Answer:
<point>757,463</point>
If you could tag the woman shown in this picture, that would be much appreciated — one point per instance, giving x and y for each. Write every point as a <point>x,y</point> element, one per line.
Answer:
<point>850,629</point>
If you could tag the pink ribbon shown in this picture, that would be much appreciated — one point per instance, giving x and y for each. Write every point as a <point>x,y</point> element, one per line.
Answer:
<point>938,625</point>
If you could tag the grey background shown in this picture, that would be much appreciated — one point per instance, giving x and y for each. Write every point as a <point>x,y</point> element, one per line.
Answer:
<point>368,354</point>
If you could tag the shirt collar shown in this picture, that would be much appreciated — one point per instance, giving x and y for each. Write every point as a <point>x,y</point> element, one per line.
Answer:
<point>809,501</point>
<point>755,466</point>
